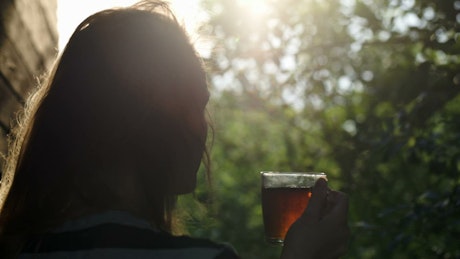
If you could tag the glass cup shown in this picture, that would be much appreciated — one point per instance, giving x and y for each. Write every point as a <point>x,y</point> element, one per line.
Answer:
<point>285,196</point>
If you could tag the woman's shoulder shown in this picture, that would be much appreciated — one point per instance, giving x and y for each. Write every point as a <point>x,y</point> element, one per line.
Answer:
<point>113,240</point>
<point>122,239</point>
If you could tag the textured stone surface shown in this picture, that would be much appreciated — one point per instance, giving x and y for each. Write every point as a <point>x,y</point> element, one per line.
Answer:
<point>28,47</point>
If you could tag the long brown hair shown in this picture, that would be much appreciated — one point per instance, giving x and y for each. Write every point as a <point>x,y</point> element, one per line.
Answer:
<point>103,102</point>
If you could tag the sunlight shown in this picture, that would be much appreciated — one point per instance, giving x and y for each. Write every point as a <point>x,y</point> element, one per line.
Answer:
<point>258,8</point>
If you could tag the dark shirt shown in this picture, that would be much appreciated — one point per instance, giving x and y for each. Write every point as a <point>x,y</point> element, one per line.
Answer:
<point>119,235</point>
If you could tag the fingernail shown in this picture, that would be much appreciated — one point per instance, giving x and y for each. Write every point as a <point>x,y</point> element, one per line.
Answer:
<point>321,181</point>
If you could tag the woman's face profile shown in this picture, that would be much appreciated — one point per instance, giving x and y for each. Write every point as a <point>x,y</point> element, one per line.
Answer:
<point>187,146</point>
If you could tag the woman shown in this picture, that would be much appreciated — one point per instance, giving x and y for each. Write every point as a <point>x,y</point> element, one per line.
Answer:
<point>107,144</point>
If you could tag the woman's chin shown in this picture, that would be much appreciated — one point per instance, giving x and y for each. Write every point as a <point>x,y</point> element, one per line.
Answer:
<point>183,187</point>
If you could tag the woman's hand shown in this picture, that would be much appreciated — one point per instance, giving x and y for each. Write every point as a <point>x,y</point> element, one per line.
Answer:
<point>322,230</point>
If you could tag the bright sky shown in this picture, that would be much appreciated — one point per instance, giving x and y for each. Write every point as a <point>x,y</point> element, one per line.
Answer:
<point>71,13</point>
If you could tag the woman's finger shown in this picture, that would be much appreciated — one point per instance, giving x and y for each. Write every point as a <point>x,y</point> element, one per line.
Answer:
<point>317,201</point>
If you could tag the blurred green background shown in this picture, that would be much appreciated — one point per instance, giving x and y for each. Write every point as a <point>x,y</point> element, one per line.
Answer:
<point>366,91</point>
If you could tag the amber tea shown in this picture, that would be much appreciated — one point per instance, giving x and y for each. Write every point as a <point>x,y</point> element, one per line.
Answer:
<point>285,196</point>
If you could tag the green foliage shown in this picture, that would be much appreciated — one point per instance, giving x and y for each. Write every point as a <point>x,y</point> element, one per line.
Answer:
<point>366,91</point>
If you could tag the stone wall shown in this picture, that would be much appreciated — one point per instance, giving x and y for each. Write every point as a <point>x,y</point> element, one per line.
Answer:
<point>28,46</point>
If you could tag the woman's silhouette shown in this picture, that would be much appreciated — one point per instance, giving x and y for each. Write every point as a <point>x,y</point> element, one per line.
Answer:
<point>109,141</point>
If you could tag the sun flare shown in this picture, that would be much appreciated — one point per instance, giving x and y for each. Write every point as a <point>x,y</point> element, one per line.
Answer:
<point>256,7</point>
